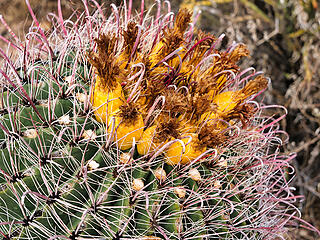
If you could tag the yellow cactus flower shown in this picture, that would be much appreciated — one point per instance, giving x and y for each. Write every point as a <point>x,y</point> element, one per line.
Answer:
<point>213,119</point>
<point>158,134</point>
<point>227,101</point>
<point>106,101</point>
<point>193,149</point>
<point>146,143</point>
<point>107,95</point>
<point>128,125</point>
<point>173,40</point>
<point>188,126</point>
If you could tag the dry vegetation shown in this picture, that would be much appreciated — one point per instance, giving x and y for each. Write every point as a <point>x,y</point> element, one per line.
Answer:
<point>284,40</point>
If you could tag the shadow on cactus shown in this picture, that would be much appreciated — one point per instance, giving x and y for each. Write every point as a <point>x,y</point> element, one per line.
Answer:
<point>137,127</point>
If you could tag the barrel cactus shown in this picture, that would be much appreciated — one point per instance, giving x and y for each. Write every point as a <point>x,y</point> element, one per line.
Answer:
<point>136,126</point>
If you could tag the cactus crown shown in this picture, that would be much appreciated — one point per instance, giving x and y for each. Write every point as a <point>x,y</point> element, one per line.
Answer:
<point>137,127</point>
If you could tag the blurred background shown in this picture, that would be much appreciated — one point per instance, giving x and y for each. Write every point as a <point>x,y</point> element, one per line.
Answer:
<point>283,37</point>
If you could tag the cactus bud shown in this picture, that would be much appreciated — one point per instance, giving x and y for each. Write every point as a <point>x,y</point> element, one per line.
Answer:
<point>137,184</point>
<point>68,79</point>
<point>180,191</point>
<point>222,162</point>
<point>64,120</point>
<point>89,135</point>
<point>160,174</point>
<point>30,133</point>
<point>92,165</point>
<point>81,97</point>
<point>43,103</point>
<point>125,158</point>
<point>217,184</point>
<point>194,174</point>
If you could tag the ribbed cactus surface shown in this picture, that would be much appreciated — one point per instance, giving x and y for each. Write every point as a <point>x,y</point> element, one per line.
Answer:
<point>134,126</point>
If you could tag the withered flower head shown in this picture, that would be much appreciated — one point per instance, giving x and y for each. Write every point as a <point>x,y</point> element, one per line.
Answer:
<point>256,85</point>
<point>104,60</point>
<point>244,112</point>
<point>172,41</point>
<point>173,38</point>
<point>198,104</point>
<point>176,102</point>
<point>240,51</point>
<point>167,128</point>
<point>129,112</point>
<point>203,43</point>
<point>203,85</point>
<point>211,137</point>
<point>182,21</point>
<point>129,36</point>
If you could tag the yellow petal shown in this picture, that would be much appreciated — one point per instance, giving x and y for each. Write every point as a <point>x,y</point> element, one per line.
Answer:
<point>126,131</point>
<point>146,144</point>
<point>226,101</point>
<point>105,101</point>
<point>175,154</point>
